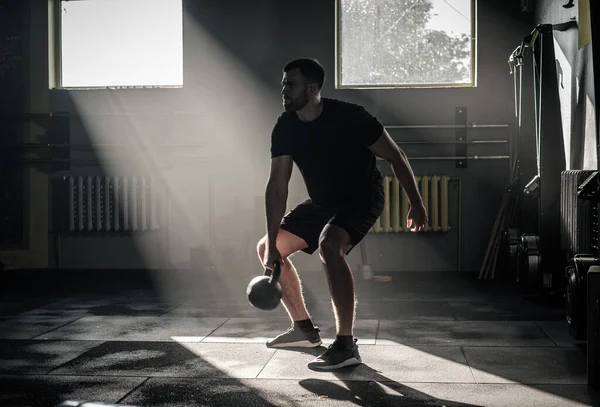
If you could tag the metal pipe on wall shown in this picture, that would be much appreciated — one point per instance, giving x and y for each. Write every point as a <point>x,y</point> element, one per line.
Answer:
<point>448,126</point>
<point>474,157</point>
<point>453,142</point>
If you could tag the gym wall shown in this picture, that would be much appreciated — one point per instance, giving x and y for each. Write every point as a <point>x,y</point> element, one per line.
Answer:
<point>573,49</point>
<point>23,90</point>
<point>255,40</point>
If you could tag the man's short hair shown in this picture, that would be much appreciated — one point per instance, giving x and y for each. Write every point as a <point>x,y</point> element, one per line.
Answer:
<point>310,69</point>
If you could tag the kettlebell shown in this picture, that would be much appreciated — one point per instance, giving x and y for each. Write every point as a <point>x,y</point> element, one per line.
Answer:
<point>264,292</point>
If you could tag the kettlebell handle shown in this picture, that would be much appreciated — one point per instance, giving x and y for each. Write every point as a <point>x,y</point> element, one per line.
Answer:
<point>276,272</point>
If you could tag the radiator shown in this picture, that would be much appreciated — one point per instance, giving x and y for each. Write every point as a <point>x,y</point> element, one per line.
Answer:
<point>113,204</point>
<point>434,191</point>
<point>576,215</point>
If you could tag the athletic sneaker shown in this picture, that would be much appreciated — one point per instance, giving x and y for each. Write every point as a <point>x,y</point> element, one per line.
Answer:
<point>337,356</point>
<point>295,338</point>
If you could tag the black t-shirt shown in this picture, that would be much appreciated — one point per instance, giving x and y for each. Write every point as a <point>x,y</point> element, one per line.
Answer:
<point>332,151</point>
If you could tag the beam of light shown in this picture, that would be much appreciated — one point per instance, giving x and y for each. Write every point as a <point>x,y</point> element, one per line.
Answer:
<point>219,132</point>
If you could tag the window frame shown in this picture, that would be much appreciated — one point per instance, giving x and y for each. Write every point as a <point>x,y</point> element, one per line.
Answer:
<point>55,72</point>
<point>338,59</point>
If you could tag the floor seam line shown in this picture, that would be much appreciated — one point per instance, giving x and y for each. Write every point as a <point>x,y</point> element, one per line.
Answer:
<point>133,390</point>
<point>265,365</point>
<point>213,331</point>
<point>58,327</point>
<point>462,349</point>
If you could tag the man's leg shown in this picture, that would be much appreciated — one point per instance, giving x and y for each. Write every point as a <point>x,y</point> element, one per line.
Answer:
<point>292,298</point>
<point>344,231</point>
<point>333,246</point>
<point>299,230</point>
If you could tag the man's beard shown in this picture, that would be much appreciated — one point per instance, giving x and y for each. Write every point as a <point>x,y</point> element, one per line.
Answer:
<point>297,104</point>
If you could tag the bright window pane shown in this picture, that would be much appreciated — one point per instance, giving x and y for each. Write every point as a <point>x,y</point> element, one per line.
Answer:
<point>108,43</point>
<point>405,43</point>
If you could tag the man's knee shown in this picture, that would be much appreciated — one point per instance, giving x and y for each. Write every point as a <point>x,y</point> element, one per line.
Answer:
<point>286,243</point>
<point>333,243</point>
<point>330,248</point>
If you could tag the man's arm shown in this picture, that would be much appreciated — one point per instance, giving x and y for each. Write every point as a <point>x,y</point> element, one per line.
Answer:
<point>276,195</point>
<point>387,149</point>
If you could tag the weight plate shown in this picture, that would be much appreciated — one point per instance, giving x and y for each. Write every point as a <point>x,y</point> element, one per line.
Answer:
<point>529,263</point>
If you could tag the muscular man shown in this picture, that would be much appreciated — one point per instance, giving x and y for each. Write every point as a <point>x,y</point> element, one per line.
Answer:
<point>334,145</point>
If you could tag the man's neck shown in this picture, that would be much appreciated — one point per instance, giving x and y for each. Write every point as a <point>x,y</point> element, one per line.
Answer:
<point>311,111</point>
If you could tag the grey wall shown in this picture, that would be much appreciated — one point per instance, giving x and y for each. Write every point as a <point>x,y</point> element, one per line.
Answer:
<point>579,99</point>
<point>233,58</point>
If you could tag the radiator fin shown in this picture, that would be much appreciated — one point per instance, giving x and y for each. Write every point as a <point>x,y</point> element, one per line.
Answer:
<point>113,204</point>
<point>579,217</point>
<point>434,191</point>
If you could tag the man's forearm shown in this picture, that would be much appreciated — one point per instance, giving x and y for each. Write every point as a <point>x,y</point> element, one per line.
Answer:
<point>275,204</point>
<point>406,177</point>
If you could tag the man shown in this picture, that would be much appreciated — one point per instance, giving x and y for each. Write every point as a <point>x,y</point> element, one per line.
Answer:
<point>334,145</point>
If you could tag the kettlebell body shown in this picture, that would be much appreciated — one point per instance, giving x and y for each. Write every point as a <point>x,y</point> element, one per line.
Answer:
<point>264,292</point>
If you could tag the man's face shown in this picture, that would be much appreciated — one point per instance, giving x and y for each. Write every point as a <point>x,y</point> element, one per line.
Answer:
<point>295,92</point>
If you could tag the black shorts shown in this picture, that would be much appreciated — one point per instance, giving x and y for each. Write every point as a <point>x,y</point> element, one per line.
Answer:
<point>307,220</point>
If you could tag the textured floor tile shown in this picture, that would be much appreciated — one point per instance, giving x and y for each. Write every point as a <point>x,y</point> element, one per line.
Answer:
<point>236,360</point>
<point>49,391</point>
<point>418,364</point>
<point>558,332</point>
<point>405,310</point>
<point>170,359</point>
<point>259,330</point>
<point>135,328</point>
<point>315,391</point>
<point>86,301</point>
<point>479,395</point>
<point>292,364</point>
<point>158,392</point>
<point>392,393</point>
<point>462,333</point>
<point>405,295</point>
<point>322,310</point>
<point>516,310</point>
<point>73,305</point>
<point>43,312</point>
<point>31,356</point>
<point>228,310</point>
<point>528,365</point>
<point>436,364</point>
<point>104,306</point>
<point>27,327</point>
<point>248,330</point>
<point>241,308</point>
<point>13,306</point>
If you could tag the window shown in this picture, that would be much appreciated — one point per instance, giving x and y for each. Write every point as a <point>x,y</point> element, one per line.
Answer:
<point>405,43</point>
<point>120,43</point>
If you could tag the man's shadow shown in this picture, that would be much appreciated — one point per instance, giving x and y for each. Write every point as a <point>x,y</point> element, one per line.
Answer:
<point>371,390</point>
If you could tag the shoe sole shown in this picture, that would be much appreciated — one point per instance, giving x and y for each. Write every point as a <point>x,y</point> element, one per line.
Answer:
<point>345,363</point>
<point>298,344</point>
